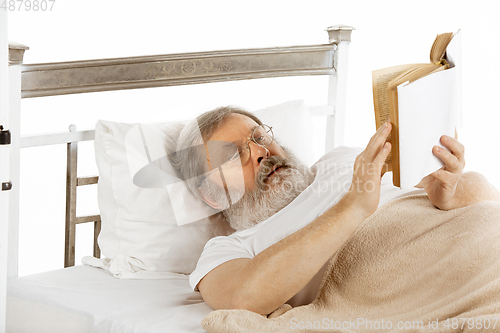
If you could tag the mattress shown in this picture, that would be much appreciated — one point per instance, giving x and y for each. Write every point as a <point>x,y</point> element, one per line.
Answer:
<point>88,299</point>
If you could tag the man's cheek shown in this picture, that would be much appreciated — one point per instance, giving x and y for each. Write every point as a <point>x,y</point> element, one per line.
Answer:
<point>233,177</point>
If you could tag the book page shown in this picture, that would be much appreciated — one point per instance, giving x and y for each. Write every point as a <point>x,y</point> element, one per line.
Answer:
<point>380,81</point>
<point>427,110</point>
<point>439,46</point>
<point>419,71</point>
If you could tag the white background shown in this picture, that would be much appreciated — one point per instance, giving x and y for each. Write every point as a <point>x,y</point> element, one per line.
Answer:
<point>387,33</point>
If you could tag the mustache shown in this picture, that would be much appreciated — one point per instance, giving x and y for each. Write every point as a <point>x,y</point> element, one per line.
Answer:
<point>269,165</point>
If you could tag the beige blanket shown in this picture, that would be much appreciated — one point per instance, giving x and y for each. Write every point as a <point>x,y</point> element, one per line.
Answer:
<point>409,268</point>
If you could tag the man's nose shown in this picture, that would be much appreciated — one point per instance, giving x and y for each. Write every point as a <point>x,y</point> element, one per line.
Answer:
<point>257,153</point>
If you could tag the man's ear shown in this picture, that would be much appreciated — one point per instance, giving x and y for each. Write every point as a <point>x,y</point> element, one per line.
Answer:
<point>209,201</point>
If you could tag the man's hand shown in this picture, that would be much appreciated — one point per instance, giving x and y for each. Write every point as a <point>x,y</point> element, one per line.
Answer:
<point>364,193</point>
<point>441,185</point>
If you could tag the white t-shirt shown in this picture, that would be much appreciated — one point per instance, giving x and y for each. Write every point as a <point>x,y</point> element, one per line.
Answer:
<point>333,177</point>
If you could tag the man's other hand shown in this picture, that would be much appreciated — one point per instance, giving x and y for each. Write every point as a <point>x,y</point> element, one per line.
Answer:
<point>441,185</point>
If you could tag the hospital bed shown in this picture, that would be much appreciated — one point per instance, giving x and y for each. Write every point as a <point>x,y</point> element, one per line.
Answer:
<point>139,286</point>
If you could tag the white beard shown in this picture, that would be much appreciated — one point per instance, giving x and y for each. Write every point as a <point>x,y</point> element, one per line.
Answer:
<point>270,194</point>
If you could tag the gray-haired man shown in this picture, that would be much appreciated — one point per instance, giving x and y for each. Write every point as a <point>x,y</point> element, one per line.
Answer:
<point>279,255</point>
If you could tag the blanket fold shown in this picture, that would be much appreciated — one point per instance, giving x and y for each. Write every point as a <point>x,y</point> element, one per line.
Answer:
<point>409,268</point>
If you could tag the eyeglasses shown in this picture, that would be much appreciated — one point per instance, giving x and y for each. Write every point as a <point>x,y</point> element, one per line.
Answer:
<point>227,153</point>
<point>261,135</point>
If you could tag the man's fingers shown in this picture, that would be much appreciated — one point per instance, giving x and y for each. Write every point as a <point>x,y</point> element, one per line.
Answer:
<point>423,183</point>
<point>381,157</point>
<point>380,133</point>
<point>441,175</point>
<point>455,147</point>
<point>444,176</point>
<point>377,141</point>
<point>382,154</point>
<point>451,161</point>
<point>376,152</point>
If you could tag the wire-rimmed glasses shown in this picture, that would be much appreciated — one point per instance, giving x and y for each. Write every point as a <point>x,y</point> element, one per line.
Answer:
<point>261,135</point>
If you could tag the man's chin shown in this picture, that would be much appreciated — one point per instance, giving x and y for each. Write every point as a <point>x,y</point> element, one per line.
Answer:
<point>262,203</point>
<point>278,183</point>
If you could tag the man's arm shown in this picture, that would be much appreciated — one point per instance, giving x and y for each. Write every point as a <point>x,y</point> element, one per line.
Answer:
<point>275,275</point>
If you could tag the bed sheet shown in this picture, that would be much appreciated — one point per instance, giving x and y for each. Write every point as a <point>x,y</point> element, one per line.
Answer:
<point>88,299</point>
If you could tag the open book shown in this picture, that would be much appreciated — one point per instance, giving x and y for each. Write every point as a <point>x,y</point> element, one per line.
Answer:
<point>422,102</point>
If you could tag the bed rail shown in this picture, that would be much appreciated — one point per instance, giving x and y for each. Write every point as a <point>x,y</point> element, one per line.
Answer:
<point>177,69</point>
<point>50,79</point>
<point>74,77</point>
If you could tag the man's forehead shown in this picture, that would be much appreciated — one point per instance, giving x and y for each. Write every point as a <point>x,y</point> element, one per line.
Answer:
<point>234,127</point>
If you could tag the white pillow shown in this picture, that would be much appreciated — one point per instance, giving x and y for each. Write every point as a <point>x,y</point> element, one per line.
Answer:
<point>139,235</point>
<point>140,232</point>
<point>292,126</point>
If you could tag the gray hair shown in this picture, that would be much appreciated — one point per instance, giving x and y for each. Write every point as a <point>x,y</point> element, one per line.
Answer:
<point>189,158</point>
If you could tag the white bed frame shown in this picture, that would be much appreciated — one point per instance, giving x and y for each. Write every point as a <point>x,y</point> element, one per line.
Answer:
<point>18,80</point>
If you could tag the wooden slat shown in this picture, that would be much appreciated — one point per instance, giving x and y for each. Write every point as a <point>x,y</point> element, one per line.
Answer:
<point>97,230</point>
<point>71,172</point>
<point>82,181</point>
<point>86,219</point>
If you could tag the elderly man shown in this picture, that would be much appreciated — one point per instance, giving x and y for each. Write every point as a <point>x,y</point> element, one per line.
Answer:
<point>278,255</point>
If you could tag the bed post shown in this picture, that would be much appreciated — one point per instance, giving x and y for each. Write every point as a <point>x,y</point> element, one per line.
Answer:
<point>71,182</point>
<point>16,54</point>
<point>4,167</point>
<point>340,36</point>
